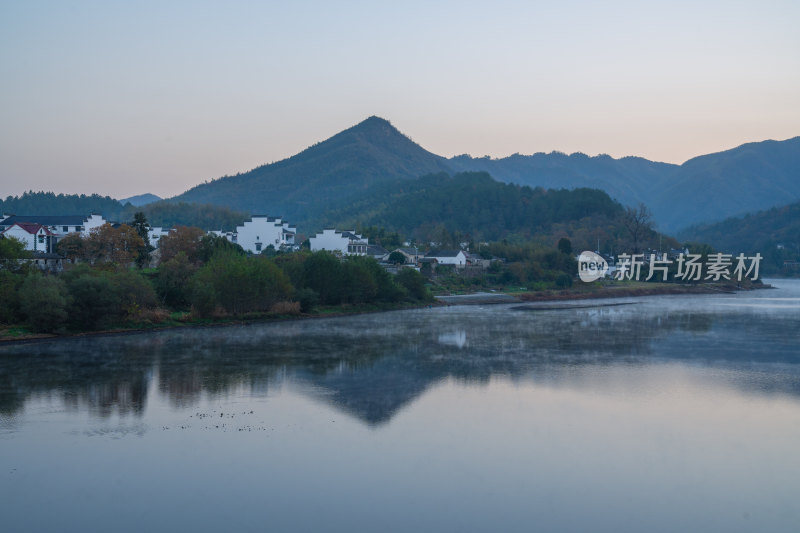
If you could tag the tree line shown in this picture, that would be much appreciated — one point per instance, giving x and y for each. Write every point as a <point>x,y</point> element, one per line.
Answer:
<point>204,275</point>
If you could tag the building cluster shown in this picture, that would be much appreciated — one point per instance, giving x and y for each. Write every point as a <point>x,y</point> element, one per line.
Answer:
<point>41,235</point>
<point>351,243</point>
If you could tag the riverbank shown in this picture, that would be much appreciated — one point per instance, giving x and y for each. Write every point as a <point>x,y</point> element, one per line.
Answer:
<point>609,289</point>
<point>19,334</point>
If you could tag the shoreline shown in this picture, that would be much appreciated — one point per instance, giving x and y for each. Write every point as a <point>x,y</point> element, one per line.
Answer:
<point>479,298</point>
<point>594,292</point>
<point>240,321</point>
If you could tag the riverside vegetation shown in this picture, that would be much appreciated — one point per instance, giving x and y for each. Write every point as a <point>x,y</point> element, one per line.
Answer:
<point>199,280</point>
<point>205,278</point>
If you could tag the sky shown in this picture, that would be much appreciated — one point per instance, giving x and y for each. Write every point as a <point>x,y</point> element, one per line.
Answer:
<point>123,98</point>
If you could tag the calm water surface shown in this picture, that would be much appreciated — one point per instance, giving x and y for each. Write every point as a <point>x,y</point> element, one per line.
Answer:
<point>669,413</point>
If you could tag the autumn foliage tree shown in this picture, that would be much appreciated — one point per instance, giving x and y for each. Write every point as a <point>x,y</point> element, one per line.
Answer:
<point>184,239</point>
<point>120,245</point>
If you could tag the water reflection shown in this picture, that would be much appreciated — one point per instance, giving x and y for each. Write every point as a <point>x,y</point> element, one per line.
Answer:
<point>371,366</point>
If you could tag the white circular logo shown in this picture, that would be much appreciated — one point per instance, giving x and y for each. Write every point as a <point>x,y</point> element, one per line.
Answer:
<point>591,266</point>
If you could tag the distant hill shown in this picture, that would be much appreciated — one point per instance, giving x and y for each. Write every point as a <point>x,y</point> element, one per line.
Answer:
<point>324,176</point>
<point>630,179</point>
<point>141,199</point>
<point>165,214</point>
<point>704,189</point>
<point>473,206</point>
<point>775,233</point>
<point>48,203</point>
<point>330,174</point>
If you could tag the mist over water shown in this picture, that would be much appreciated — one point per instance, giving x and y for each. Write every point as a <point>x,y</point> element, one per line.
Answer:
<point>666,413</point>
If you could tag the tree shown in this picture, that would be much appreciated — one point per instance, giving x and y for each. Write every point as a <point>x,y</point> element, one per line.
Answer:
<point>43,302</point>
<point>397,258</point>
<point>173,282</point>
<point>95,303</point>
<point>322,272</point>
<point>414,284</point>
<point>140,225</point>
<point>11,251</point>
<point>212,244</point>
<point>120,245</point>
<point>638,221</point>
<point>72,247</point>
<point>565,246</point>
<point>142,228</point>
<point>184,239</point>
<point>240,284</point>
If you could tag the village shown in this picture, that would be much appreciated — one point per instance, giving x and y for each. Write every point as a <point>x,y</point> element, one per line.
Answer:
<point>261,234</point>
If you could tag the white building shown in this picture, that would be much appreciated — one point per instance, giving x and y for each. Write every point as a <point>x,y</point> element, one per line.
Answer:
<point>36,237</point>
<point>261,232</point>
<point>345,242</point>
<point>448,257</point>
<point>154,234</point>
<point>57,226</point>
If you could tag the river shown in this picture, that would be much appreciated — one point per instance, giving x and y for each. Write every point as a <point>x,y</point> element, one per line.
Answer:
<point>663,413</point>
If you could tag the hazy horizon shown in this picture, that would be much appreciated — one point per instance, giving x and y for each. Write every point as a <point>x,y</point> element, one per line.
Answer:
<point>129,99</point>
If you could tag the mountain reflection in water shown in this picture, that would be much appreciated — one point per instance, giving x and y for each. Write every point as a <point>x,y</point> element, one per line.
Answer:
<point>371,366</point>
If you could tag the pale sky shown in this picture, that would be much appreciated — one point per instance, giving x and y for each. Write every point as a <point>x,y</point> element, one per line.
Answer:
<point>122,98</point>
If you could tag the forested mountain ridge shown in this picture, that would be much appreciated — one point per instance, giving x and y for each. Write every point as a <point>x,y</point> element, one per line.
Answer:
<point>323,176</point>
<point>704,189</point>
<point>334,172</point>
<point>164,214</point>
<point>774,233</point>
<point>363,164</point>
<point>472,206</point>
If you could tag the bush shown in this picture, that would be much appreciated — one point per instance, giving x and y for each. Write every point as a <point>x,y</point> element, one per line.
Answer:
<point>173,281</point>
<point>563,280</point>
<point>9,296</point>
<point>286,308</point>
<point>239,284</point>
<point>414,284</point>
<point>307,298</point>
<point>95,303</point>
<point>43,302</point>
<point>135,293</point>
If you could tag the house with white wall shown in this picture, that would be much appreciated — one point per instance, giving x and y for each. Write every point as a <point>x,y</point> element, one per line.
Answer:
<point>36,237</point>
<point>261,232</point>
<point>154,234</point>
<point>448,257</point>
<point>58,226</point>
<point>345,242</point>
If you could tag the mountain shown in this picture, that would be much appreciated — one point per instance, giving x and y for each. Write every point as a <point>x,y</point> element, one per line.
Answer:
<point>140,199</point>
<point>161,213</point>
<point>473,206</point>
<point>49,203</point>
<point>326,175</point>
<point>774,233</point>
<point>706,188</point>
<point>751,177</point>
<point>331,174</point>
<point>629,179</point>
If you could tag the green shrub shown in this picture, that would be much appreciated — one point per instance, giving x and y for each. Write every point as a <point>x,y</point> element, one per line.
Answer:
<point>44,301</point>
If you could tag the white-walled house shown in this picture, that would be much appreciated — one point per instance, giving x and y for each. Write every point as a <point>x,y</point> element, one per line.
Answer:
<point>36,237</point>
<point>58,226</point>
<point>154,234</point>
<point>412,255</point>
<point>345,242</point>
<point>261,231</point>
<point>448,257</point>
